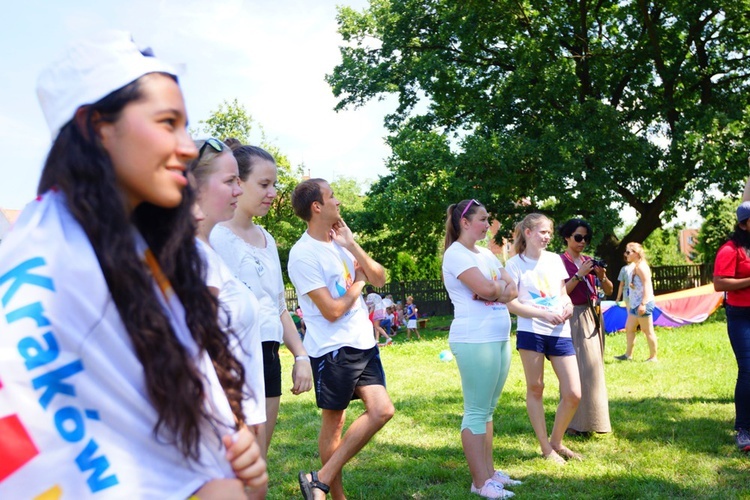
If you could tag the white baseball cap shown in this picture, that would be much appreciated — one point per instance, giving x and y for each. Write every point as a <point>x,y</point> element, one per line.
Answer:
<point>89,70</point>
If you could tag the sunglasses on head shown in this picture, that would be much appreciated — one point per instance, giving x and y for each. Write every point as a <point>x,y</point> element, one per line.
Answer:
<point>216,144</point>
<point>467,207</point>
<point>579,238</point>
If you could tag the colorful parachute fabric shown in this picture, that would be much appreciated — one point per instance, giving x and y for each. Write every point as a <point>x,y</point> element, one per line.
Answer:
<point>672,309</point>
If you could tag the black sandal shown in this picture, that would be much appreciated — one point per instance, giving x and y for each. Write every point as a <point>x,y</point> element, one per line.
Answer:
<point>306,485</point>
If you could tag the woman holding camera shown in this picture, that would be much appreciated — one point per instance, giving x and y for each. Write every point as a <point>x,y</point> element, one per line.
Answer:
<point>586,329</point>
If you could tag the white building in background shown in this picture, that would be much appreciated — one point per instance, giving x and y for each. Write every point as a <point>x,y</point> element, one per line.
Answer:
<point>7,219</point>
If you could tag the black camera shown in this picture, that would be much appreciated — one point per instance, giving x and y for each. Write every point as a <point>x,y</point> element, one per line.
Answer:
<point>598,263</point>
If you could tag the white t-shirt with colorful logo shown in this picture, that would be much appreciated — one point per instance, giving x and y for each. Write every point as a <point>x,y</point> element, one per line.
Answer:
<point>539,285</point>
<point>474,321</point>
<point>316,264</point>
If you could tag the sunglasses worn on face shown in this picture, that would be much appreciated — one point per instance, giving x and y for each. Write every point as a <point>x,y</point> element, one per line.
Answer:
<point>214,143</point>
<point>467,207</point>
<point>579,238</point>
<point>628,252</point>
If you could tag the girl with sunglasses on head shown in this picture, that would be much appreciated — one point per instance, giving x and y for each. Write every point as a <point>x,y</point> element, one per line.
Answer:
<point>641,306</point>
<point>118,377</point>
<point>251,255</point>
<point>479,337</point>
<point>543,308</point>
<point>215,177</point>
<point>586,329</point>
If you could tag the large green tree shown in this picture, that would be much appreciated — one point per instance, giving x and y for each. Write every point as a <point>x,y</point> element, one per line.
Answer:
<point>663,248</point>
<point>231,119</point>
<point>573,108</point>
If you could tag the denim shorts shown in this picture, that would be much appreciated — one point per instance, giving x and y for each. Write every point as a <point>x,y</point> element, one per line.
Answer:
<point>649,309</point>
<point>545,344</point>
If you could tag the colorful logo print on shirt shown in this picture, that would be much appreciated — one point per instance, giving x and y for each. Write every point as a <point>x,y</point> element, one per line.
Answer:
<point>347,279</point>
<point>16,447</point>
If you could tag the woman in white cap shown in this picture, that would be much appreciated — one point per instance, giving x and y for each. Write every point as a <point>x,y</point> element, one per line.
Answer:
<point>732,275</point>
<point>116,378</point>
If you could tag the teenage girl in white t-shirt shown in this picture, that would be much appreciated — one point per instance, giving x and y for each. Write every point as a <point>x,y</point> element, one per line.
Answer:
<point>215,177</point>
<point>479,287</point>
<point>543,308</point>
<point>250,253</point>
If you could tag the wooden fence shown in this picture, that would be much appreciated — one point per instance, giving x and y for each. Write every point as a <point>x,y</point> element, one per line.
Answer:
<point>430,296</point>
<point>432,299</point>
<point>674,278</point>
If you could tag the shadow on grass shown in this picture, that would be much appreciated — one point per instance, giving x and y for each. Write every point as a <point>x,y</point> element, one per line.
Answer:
<point>661,447</point>
<point>646,430</point>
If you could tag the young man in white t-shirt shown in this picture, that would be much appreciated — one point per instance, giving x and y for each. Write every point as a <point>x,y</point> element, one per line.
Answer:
<point>329,270</point>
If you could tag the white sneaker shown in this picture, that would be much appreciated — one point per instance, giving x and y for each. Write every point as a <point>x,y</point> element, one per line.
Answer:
<point>491,489</point>
<point>504,479</point>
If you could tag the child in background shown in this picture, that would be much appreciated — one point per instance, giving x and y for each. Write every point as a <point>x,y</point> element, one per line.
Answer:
<point>398,316</point>
<point>388,300</point>
<point>411,318</point>
<point>386,324</point>
<point>391,317</point>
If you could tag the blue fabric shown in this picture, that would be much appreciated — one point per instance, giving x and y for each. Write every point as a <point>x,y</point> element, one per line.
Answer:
<point>738,327</point>
<point>616,316</point>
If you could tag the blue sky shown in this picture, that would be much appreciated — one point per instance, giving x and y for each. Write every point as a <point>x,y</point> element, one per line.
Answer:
<point>271,55</point>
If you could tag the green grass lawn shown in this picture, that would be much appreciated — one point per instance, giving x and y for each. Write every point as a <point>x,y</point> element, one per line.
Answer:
<point>672,427</point>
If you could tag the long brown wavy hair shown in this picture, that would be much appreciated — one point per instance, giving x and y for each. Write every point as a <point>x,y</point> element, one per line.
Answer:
<point>80,167</point>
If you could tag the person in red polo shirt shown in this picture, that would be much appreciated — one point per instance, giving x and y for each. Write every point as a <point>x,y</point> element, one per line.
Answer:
<point>732,275</point>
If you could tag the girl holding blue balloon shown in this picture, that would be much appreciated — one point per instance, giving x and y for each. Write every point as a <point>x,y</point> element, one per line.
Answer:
<point>479,336</point>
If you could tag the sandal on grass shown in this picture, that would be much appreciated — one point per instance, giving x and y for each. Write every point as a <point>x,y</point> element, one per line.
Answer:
<point>568,454</point>
<point>554,458</point>
<point>306,485</point>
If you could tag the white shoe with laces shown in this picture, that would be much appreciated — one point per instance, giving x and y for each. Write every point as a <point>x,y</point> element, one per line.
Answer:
<point>491,489</point>
<point>504,479</point>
